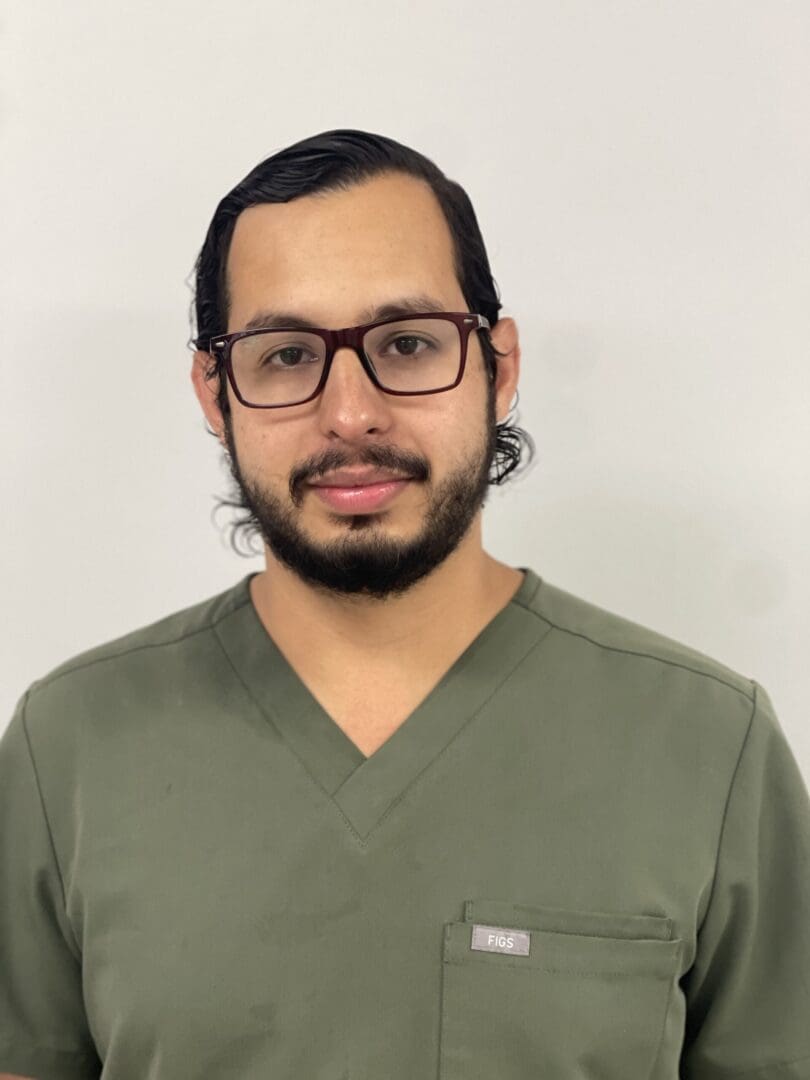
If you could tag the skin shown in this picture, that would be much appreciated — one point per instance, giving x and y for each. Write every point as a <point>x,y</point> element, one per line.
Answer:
<point>327,257</point>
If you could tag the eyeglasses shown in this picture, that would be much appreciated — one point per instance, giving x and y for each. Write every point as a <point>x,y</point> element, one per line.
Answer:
<point>415,354</point>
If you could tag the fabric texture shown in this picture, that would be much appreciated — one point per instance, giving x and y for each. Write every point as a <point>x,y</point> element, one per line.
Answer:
<point>201,875</point>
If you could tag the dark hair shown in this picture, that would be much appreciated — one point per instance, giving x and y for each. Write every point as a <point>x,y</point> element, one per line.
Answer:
<point>334,161</point>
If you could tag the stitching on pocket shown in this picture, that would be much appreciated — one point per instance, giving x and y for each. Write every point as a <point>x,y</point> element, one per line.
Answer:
<point>591,955</point>
<point>619,925</point>
<point>515,966</point>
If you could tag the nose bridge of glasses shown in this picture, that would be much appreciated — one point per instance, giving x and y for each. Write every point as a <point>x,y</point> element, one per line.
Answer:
<point>346,339</point>
<point>351,340</point>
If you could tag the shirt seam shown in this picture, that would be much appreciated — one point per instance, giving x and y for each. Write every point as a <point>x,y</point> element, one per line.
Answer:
<point>627,652</point>
<point>50,680</point>
<point>726,808</point>
<point>43,808</point>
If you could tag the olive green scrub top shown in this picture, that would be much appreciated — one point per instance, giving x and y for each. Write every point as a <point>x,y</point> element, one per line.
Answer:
<point>586,854</point>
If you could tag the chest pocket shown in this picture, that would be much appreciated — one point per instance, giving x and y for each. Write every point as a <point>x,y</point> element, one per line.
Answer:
<point>589,999</point>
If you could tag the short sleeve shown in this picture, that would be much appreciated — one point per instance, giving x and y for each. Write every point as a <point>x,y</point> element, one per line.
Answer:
<point>43,1028</point>
<point>748,991</point>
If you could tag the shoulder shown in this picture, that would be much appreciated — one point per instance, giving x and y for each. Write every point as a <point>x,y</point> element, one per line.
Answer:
<point>162,646</point>
<point>626,661</point>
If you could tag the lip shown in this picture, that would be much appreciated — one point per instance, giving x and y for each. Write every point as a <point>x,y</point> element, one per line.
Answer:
<point>360,498</point>
<point>358,477</point>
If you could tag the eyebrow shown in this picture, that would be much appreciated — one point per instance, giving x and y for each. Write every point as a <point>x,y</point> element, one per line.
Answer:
<point>406,305</point>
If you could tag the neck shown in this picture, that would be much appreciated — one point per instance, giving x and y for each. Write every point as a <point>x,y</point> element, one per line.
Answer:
<point>447,606</point>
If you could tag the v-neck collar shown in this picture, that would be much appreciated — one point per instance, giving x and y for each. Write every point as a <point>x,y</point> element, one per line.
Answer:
<point>364,788</point>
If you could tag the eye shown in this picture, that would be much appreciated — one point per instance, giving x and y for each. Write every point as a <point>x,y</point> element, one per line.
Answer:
<point>290,356</point>
<point>407,344</point>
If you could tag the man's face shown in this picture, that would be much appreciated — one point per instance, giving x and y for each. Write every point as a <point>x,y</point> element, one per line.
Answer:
<point>328,258</point>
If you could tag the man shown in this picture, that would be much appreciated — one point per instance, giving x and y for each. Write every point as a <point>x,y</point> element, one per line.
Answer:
<point>390,809</point>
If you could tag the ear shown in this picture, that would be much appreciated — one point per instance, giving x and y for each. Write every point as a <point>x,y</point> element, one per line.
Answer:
<point>207,391</point>
<point>504,336</point>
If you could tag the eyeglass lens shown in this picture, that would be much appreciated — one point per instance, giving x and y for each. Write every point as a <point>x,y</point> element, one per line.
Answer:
<point>282,367</point>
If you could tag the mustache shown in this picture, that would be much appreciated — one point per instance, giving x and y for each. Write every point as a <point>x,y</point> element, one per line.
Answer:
<point>376,457</point>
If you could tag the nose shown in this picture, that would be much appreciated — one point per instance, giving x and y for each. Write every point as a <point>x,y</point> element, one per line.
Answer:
<point>350,405</point>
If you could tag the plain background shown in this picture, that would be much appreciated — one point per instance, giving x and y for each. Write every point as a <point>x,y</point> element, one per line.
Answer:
<point>641,174</point>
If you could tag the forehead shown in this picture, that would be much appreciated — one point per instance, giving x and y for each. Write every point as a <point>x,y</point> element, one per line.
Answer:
<point>328,255</point>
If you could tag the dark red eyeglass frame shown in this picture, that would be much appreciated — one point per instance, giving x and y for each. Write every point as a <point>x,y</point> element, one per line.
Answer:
<point>351,337</point>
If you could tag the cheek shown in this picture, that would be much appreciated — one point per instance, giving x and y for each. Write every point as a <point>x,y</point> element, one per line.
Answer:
<point>265,452</point>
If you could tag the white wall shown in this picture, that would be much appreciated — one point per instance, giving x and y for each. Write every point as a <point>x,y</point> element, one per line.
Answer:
<point>640,172</point>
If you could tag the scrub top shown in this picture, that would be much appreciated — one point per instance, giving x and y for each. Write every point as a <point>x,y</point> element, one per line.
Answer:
<point>586,854</point>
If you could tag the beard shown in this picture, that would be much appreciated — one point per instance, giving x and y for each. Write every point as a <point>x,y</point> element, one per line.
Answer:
<point>364,560</point>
